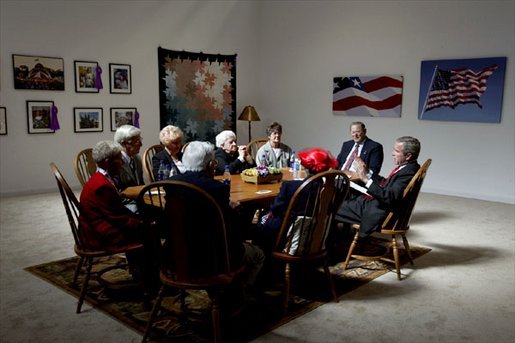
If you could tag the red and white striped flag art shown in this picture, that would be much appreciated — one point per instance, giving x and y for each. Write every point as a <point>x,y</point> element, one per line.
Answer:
<point>370,96</point>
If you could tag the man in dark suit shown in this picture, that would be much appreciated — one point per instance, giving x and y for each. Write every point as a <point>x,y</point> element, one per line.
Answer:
<point>129,137</point>
<point>199,171</point>
<point>383,193</point>
<point>370,152</point>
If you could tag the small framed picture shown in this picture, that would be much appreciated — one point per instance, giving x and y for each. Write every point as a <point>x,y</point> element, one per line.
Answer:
<point>88,119</point>
<point>85,77</point>
<point>37,72</point>
<point>122,116</point>
<point>3,121</point>
<point>38,116</point>
<point>120,78</point>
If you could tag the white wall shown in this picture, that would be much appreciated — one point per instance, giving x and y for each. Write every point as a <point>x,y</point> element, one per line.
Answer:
<point>288,53</point>
<point>305,44</point>
<point>126,32</point>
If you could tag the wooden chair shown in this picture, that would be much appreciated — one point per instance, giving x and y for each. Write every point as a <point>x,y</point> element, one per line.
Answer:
<point>184,146</point>
<point>147,160</point>
<point>307,223</point>
<point>253,146</point>
<point>195,255</point>
<point>87,256</point>
<point>84,165</point>
<point>396,224</point>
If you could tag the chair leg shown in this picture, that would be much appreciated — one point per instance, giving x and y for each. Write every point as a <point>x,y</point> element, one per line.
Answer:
<point>215,318</point>
<point>407,248</point>
<point>351,250</point>
<point>287,282</point>
<point>330,280</point>
<point>396,257</point>
<point>89,264</point>
<point>153,314</point>
<point>77,271</point>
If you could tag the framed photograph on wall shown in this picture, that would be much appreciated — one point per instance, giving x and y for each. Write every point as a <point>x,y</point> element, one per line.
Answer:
<point>88,119</point>
<point>3,121</point>
<point>38,116</point>
<point>37,72</point>
<point>120,78</point>
<point>85,77</point>
<point>122,116</point>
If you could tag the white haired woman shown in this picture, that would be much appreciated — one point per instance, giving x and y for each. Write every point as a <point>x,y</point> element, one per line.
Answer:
<point>228,153</point>
<point>171,137</point>
<point>198,171</point>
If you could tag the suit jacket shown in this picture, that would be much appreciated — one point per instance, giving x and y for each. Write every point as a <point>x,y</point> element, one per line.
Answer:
<point>371,154</point>
<point>104,222</point>
<point>281,161</point>
<point>164,156</point>
<point>127,177</point>
<point>371,213</point>
<point>235,165</point>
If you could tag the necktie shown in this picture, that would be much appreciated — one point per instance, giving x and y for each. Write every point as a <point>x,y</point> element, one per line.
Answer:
<point>132,164</point>
<point>385,181</point>
<point>351,158</point>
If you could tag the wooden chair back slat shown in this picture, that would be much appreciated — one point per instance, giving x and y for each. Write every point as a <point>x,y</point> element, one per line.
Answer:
<point>147,160</point>
<point>253,146</point>
<point>84,165</point>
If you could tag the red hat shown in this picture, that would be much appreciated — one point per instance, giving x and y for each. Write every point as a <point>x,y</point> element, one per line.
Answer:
<point>317,160</point>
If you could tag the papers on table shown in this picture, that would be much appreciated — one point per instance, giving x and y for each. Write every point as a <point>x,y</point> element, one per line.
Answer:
<point>359,188</point>
<point>264,191</point>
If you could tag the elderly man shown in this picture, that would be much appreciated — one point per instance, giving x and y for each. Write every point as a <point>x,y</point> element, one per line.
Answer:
<point>198,171</point>
<point>228,153</point>
<point>360,146</point>
<point>383,193</point>
<point>129,137</point>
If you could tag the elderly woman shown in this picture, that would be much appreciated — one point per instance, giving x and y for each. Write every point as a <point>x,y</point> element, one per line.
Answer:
<point>228,153</point>
<point>274,153</point>
<point>104,221</point>
<point>198,171</point>
<point>314,161</point>
<point>129,137</point>
<point>171,137</point>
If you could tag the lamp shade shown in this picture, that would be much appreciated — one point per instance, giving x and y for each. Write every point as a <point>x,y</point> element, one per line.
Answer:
<point>249,114</point>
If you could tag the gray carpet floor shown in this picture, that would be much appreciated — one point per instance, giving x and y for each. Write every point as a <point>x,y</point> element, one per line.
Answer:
<point>462,291</point>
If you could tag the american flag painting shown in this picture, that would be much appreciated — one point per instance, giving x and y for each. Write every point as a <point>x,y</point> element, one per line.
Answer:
<point>458,86</point>
<point>462,90</point>
<point>370,96</point>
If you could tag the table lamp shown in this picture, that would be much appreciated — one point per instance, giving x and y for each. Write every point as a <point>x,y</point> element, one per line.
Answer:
<point>249,114</point>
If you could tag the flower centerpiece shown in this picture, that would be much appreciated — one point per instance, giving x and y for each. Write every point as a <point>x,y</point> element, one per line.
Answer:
<point>262,175</point>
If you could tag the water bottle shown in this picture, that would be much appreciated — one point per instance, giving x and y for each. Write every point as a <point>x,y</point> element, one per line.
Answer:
<point>262,161</point>
<point>292,160</point>
<point>173,169</point>
<point>226,177</point>
<point>161,171</point>
<point>296,168</point>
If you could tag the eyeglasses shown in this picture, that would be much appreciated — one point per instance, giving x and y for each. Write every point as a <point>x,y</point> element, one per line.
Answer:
<point>135,141</point>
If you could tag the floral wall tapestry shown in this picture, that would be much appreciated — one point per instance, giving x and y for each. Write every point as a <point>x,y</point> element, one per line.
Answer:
<point>197,93</point>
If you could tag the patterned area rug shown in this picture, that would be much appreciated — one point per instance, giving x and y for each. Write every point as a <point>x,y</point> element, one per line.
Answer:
<point>309,291</point>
